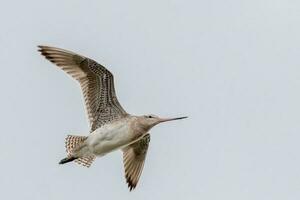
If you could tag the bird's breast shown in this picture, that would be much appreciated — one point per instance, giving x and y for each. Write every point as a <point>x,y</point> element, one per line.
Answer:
<point>109,138</point>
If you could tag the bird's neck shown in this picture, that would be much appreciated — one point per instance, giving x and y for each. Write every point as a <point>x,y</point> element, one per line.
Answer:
<point>139,129</point>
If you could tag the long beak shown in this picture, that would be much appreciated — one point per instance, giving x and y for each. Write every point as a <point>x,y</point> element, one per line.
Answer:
<point>170,119</point>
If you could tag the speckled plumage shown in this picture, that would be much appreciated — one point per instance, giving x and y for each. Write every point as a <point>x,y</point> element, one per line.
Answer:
<point>111,126</point>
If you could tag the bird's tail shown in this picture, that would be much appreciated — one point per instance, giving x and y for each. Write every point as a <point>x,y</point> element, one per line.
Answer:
<point>72,144</point>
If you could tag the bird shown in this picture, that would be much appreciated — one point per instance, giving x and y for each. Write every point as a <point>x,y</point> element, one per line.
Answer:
<point>111,127</point>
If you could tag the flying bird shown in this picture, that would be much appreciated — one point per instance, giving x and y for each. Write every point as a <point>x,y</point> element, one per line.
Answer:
<point>112,128</point>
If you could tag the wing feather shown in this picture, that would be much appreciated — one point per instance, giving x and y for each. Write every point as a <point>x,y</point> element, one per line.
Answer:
<point>96,82</point>
<point>134,157</point>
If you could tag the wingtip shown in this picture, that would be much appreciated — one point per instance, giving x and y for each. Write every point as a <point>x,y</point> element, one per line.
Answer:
<point>43,47</point>
<point>40,48</point>
<point>130,184</point>
<point>131,188</point>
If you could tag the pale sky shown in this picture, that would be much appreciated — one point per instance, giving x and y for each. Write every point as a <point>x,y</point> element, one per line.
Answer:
<point>232,66</point>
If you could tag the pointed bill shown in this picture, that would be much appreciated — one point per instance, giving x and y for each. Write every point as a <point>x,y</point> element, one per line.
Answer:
<point>171,119</point>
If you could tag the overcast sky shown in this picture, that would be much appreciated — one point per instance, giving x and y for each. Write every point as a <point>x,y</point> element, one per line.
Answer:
<point>232,66</point>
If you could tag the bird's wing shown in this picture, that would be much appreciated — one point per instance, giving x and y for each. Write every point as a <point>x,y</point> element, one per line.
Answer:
<point>96,82</point>
<point>134,158</point>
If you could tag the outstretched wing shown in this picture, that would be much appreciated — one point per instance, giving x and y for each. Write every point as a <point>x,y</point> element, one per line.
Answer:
<point>96,82</point>
<point>134,157</point>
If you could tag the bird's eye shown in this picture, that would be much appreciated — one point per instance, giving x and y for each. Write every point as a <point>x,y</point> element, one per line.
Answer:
<point>150,116</point>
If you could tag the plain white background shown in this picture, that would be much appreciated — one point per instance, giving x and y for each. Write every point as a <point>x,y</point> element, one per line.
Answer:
<point>231,66</point>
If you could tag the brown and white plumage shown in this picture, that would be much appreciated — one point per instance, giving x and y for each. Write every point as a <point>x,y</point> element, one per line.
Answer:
<point>102,105</point>
<point>96,82</point>
<point>112,127</point>
<point>134,157</point>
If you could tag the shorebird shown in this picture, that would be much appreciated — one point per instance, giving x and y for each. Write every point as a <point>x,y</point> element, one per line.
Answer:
<point>112,128</point>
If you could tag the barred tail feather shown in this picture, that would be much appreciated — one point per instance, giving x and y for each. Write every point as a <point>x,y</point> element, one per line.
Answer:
<point>72,143</point>
<point>85,161</point>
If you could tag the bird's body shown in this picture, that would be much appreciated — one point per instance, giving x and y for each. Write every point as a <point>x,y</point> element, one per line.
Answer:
<point>110,137</point>
<point>112,128</point>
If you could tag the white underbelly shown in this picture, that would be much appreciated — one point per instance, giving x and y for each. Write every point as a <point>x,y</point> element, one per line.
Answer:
<point>109,138</point>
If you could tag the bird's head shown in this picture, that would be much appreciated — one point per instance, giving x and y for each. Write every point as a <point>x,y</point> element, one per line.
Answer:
<point>148,121</point>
